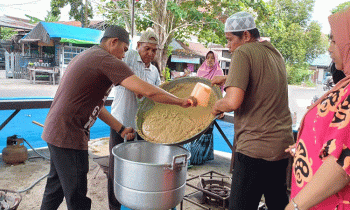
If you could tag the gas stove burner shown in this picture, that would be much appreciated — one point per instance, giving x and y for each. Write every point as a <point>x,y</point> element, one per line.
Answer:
<point>9,200</point>
<point>215,189</point>
<point>211,189</point>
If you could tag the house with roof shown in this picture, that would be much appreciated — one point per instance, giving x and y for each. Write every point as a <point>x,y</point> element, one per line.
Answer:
<point>94,24</point>
<point>192,56</point>
<point>182,57</point>
<point>58,43</point>
<point>21,26</point>
<point>54,44</point>
<point>50,45</point>
<point>224,56</point>
<point>320,66</point>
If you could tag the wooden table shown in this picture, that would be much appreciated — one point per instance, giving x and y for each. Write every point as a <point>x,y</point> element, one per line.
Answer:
<point>33,71</point>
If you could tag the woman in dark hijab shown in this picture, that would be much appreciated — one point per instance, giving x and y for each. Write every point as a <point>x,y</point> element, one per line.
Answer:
<point>336,74</point>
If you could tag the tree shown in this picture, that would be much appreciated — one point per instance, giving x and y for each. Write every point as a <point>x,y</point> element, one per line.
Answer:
<point>298,39</point>
<point>341,7</point>
<point>79,11</point>
<point>219,11</point>
<point>52,18</point>
<point>6,33</point>
<point>49,18</point>
<point>178,18</point>
<point>117,13</point>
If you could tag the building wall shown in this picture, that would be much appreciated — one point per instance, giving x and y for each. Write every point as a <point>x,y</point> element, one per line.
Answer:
<point>318,74</point>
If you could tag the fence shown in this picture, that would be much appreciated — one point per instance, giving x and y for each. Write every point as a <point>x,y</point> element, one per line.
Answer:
<point>16,65</point>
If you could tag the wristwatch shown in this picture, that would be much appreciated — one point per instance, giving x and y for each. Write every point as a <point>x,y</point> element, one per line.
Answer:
<point>121,130</point>
<point>295,205</point>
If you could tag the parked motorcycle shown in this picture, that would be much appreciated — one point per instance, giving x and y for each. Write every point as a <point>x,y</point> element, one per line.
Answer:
<point>328,83</point>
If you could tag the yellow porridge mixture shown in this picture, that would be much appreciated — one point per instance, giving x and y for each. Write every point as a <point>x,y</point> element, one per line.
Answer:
<point>169,124</point>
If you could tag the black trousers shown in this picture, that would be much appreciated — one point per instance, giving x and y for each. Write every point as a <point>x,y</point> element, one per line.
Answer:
<point>253,178</point>
<point>67,179</point>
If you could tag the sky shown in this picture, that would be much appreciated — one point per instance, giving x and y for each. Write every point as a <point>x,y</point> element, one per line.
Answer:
<point>35,8</point>
<point>39,8</point>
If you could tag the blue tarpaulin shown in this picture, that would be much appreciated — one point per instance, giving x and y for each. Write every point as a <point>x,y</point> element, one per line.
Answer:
<point>45,31</point>
<point>179,59</point>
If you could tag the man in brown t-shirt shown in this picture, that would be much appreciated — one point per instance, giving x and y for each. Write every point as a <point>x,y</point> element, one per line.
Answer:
<point>78,102</point>
<point>257,91</point>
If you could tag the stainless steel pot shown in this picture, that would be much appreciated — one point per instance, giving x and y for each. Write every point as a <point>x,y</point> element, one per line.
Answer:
<point>135,199</point>
<point>149,176</point>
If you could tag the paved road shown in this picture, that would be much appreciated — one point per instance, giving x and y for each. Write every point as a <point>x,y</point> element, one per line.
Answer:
<point>299,97</point>
<point>22,88</point>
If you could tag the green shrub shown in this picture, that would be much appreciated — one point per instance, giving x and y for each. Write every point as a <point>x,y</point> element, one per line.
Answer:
<point>298,73</point>
<point>309,83</point>
<point>166,74</point>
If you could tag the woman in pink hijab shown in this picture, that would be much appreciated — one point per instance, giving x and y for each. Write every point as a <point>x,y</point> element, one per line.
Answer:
<point>321,166</point>
<point>202,149</point>
<point>210,67</point>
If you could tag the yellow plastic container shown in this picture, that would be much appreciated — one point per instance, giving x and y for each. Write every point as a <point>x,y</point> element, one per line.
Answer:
<point>202,93</point>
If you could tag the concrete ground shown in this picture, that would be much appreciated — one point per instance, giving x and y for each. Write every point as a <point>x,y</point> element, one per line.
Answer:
<point>22,88</point>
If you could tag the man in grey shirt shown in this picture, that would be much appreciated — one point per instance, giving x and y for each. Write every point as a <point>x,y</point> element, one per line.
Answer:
<point>125,103</point>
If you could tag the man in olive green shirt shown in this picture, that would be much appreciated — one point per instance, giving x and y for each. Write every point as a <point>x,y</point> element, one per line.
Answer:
<point>257,91</point>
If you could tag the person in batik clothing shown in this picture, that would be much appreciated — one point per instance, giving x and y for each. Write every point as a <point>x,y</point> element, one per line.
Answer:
<point>320,173</point>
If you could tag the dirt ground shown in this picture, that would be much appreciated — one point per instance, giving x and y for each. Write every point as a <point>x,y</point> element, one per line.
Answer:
<point>21,176</point>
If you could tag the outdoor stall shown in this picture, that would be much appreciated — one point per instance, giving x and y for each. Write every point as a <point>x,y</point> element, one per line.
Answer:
<point>48,49</point>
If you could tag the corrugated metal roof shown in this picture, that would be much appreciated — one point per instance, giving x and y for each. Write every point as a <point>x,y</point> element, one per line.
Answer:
<point>180,49</point>
<point>46,31</point>
<point>175,45</point>
<point>322,60</point>
<point>12,22</point>
<point>198,48</point>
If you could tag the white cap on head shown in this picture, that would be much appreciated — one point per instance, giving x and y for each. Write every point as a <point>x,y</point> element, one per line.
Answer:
<point>240,21</point>
<point>149,36</point>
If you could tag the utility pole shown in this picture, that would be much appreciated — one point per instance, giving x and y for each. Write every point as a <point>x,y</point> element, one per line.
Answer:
<point>86,15</point>
<point>132,19</point>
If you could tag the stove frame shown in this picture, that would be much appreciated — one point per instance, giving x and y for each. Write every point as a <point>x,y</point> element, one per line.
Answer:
<point>212,175</point>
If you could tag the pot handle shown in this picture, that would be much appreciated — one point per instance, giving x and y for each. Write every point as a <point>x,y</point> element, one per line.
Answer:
<point>178,161</point>
<point>135,139</point>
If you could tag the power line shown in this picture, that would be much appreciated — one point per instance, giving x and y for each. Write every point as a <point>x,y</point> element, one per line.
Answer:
<point>16,8</point>
<point>10,5</point>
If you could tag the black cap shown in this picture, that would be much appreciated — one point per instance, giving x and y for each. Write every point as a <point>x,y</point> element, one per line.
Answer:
<point>115,31</point>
